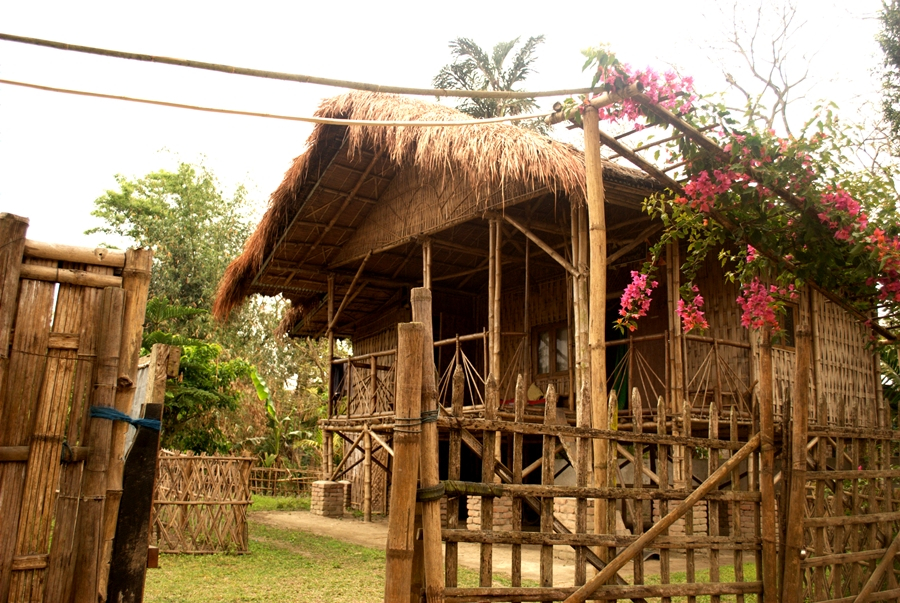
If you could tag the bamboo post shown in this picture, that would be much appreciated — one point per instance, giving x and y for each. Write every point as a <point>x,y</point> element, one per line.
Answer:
<point>488,464</point>
<point>584,593</point>
<point>453,473</point>
<point>687,472</point>
<point>426,264</point>
<point>428,464</point>
<point>548,469</point>
<point>136,282</point>
<point>401,521</point>
<point>498,271</point>
<point>767,469</point>
<point>517,442</point>
<point>662,470</point>
<point>712,506</point>
<point>489,367</point>
<point>800,424</point>
<point>327,436</point>
<point>526,316</point>
<point>597,336</point>
<point>637,427</point>
<point>367,476</point>
<point>99,434</point>
<point>736,523</point>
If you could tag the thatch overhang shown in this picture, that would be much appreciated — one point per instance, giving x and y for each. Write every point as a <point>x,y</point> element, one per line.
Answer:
<point>369,194</point>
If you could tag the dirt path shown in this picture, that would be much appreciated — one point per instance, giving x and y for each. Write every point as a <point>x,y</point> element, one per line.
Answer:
<point>374,535</point>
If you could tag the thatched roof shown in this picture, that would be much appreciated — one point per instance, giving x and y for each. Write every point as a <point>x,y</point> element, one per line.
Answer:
<point>363,189</point>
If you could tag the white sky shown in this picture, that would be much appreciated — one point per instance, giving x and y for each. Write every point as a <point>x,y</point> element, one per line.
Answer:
<point>59,152</point>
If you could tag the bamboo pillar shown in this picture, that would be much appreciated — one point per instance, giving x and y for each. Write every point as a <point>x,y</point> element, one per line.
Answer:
<point>597,337</point>
<point>791,580</point>
<point>94,491</point>
<point>12,246</point>
<point>136,282</point>
<point>401,521</point>
<point>526,323</point>
<point>454,468</point>
<point>767,469</point>
<point>428,463</point>
<point>426,264</point>
<point>328,436</point>
<point>495,301</point>
<point>367,477</point>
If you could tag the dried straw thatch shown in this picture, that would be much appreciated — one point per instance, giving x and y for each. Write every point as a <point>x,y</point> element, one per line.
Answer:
<point>486,166</point>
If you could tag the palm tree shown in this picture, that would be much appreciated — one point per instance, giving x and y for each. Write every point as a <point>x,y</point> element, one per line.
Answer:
<point>473,69</point>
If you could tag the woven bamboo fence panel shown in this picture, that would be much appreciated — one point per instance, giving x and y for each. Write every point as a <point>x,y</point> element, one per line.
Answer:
<point>279,481</point>
<point>64,339</point>
<point>201,504</point>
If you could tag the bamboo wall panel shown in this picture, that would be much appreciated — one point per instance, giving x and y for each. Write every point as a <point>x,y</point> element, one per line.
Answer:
<point>201,504</point>
<point>846,375</point>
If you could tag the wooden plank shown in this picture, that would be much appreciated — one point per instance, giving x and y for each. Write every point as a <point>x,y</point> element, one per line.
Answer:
<point>69,276</point>
<point>401,521</point>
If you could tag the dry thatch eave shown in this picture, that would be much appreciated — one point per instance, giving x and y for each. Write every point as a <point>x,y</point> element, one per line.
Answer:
<point>474,157</point>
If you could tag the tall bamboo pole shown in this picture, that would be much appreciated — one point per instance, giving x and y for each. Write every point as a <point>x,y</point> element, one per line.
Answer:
<point>800,426</point>
<point>767,469</point>
<point>498,271</point>
<point>136,282</point>
<point>328,436</point>
<point>597,336</point>
<point>401,521</point>
<point>428,463</point>
<point>367,476</point>
<point>12,246</point>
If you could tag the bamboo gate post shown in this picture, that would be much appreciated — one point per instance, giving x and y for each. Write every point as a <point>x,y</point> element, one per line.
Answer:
<point>89,531</point>
<point>767,470</point>
<point>791,581</point>
<point>597,312</point>
<point>428,465</point>
<point>401,520</point>
<point>453,473</point>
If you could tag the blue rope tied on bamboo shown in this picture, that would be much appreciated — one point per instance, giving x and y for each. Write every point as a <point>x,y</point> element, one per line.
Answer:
<point>102,412</point>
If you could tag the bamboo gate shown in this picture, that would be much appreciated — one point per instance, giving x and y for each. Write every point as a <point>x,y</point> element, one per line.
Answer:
<point>70,331</point>
<point>200,504</point>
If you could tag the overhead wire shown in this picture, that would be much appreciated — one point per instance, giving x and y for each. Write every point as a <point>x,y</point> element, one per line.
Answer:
<point>291,77</point>
<point>313,119</point>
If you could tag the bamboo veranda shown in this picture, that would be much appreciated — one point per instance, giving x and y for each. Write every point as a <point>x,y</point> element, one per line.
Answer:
<point>663,465</point>
<point>70,332</point>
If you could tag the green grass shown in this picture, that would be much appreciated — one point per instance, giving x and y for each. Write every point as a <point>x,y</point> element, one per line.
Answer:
<point>287,566</point>
<point>279,503</point>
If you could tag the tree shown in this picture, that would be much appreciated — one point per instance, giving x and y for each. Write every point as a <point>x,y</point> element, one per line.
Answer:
<point>889,40</point>
<point>473,69</point>
<point>193,229</point>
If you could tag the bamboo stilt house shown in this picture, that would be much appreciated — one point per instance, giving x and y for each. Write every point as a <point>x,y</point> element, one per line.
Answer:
<point>493,219</point>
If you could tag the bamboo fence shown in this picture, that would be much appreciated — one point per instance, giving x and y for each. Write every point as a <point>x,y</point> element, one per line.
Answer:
<point>201,504</point>
<point>70,326</point>
<point>279,481</point>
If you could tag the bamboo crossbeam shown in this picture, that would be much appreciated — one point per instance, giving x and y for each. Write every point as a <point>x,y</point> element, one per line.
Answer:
<point>15,454</point>
<point>640,238</point>
<point>539,242</point>
<point>611,540</point>
<point>614,593</point>
<point>474,424</point>
<point>69,276</point>
<point>877,574</point>
<point>602,100</point>
<point>381,442</point>
<point>588,590</point>
<point>847,520</point>
<point>337,470</point>
<point>460,488</point>
<point>77,255</point>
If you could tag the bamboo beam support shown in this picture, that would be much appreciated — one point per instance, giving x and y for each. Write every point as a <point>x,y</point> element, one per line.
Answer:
<point>791,580</point>
<point>767,470</point>
<point>887,561</point>
<point>428,464</point>
<point>347,296</point>
<point>585,592</point>
<point>77,255</point>
<point>69,276</point>
<point>540,243</point>
<point>367,476</point>
<point>401,520</point>
<point>597,332</point>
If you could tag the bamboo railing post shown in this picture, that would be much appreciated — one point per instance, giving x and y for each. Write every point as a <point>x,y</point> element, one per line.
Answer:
<point>367,477</point>
<point>736,524</point>
<point>583,447</point>
<point>401,521</point>
<point>428,465</point>
<point>488,464</point>
<point>596,205</point>
<point>797,510</point>
<point>90,534</point>
<point>454,468</point>
<point>517,441</point>
<point>767,470</point>
<point>498,288</point>
<point>662,470</point>
<point>12,246</point>
<point>712,506</point>
<point>548,469</point>
<point>637,426</point>
<point>327,436</point>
